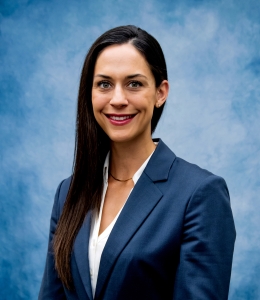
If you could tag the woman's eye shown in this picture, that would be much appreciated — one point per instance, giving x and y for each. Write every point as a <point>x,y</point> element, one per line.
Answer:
<point>104,85</point>
<point>135,84</point>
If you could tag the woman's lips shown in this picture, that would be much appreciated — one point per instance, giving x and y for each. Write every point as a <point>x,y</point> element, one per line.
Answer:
<point>120,120</point>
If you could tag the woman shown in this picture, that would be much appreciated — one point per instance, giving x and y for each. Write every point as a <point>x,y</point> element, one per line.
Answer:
<point>134,221</point>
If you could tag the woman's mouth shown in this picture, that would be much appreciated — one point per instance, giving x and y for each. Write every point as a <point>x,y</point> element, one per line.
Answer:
<point>120,120</point>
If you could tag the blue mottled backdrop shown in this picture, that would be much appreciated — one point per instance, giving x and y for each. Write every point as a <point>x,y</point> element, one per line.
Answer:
<point>212,117</point>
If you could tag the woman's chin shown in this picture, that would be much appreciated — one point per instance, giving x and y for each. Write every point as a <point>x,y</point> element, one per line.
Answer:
<point>120,139</point>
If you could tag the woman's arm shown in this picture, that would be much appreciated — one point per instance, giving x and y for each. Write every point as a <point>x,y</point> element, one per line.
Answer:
<point>51,287</point>
<point>208,243</point>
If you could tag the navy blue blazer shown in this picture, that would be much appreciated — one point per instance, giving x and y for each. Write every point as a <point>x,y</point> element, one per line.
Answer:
<point>174,239</point>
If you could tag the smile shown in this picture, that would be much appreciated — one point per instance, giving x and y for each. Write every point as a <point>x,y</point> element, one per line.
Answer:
<point>120,119</point>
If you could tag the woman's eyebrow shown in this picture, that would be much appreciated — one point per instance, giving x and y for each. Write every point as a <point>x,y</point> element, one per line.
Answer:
<point>136,75</point>
<point>103,76</point>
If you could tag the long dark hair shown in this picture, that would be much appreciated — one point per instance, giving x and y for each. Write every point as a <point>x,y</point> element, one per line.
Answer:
<point>92,144</point>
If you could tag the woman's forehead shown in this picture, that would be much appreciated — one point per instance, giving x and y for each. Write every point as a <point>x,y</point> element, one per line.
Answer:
<point>121,58</point>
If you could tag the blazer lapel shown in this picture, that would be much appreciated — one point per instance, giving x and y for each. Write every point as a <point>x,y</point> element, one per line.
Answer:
<point>142,200</point>
<point>81,254</point>
<point>140,203</point>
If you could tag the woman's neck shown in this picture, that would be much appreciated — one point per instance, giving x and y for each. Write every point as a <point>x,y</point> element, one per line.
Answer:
<point>127,158</point>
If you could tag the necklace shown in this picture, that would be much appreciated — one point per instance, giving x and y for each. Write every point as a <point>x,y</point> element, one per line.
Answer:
<point>121,180</point>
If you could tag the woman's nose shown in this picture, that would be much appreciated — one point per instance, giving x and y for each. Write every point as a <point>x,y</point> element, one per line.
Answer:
<point>118,97</point>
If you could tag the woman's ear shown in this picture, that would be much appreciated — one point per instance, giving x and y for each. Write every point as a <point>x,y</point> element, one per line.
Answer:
<point>162,93</point>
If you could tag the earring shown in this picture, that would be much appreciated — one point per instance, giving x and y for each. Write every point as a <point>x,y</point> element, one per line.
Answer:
<point>158,105</point>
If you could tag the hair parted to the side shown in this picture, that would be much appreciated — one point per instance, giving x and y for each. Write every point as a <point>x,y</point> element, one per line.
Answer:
<point>92,144</point>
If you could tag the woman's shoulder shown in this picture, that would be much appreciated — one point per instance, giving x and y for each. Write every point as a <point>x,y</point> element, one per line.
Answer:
<point>191,169</point>
<point>193,175</point>
<point>188,173</point>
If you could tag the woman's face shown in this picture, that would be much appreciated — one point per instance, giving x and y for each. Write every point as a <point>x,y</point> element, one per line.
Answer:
<point>124,93</point>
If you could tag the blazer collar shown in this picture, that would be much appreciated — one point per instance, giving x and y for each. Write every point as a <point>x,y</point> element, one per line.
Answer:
<point>159,165</point>
<point>142,200</point>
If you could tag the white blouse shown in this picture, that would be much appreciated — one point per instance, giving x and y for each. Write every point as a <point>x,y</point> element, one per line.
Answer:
<point>98,242</point>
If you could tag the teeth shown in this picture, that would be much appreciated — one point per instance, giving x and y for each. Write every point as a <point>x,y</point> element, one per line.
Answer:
<point>119,118</point>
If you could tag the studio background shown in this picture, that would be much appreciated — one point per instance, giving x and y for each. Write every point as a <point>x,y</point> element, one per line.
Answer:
<point>212,116</point>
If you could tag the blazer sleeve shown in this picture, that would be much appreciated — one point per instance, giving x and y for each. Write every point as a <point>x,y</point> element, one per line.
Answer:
<point>207,244</point>
<point>51,287</point>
